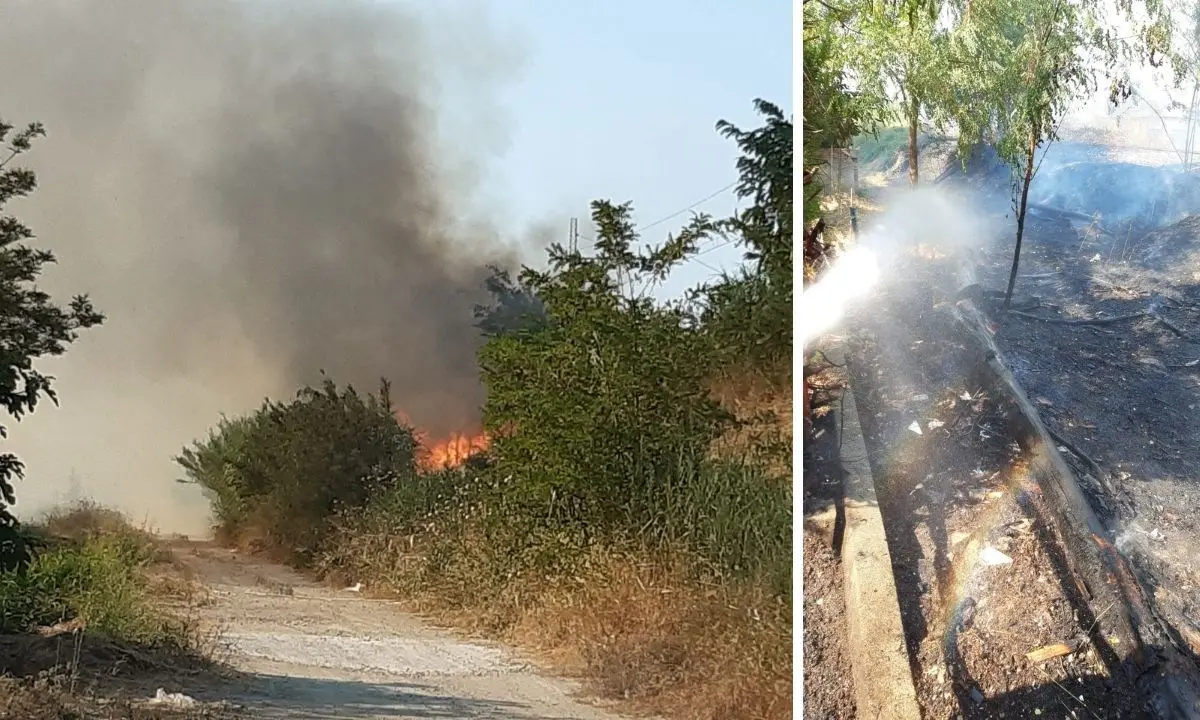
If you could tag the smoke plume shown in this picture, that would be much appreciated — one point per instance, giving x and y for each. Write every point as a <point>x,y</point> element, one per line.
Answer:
<point>252,192</point>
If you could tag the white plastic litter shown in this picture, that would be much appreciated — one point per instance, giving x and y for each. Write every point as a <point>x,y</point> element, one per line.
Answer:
<point>178,700</point>
<point>991,556</point>
<point>356,587</point>
<point>916,427</point>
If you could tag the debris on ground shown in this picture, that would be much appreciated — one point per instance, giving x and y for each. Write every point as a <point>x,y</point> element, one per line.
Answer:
<point>991,557</point>
<point>175,700</point>
<point>1048,652</point>
<point>958,505</point>
<point>828,684</point>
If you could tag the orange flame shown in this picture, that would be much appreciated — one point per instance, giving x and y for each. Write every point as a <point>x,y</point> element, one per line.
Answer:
<point>453,451</point>
<point>447,453</point>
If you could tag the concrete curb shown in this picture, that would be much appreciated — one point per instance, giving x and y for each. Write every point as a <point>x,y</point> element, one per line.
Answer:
<point>879,659</point>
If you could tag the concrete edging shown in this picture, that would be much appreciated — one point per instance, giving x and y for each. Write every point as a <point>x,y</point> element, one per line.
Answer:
<point>879,658</point>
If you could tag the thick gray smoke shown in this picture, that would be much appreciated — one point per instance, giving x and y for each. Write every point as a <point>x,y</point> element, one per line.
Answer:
<point>252,192</point>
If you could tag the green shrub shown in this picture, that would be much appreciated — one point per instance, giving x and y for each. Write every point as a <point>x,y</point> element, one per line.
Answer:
<point>591,409</point>
<point>284,471</point>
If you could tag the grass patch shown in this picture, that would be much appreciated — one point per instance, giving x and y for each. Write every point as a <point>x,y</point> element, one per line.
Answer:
<point>101,603</point>
<point>92,575</point>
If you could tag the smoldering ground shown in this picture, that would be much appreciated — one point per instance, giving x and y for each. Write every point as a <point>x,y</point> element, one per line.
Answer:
<point>252,192</point>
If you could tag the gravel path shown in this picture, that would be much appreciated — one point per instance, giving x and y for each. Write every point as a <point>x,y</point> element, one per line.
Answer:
<point>309,652</point>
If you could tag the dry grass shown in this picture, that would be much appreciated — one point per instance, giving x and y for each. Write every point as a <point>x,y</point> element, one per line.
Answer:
<point>85,520</point>
<point>654,634</point>
<point>88,520</point>
<point>763,405</point>
<point>644,632</point>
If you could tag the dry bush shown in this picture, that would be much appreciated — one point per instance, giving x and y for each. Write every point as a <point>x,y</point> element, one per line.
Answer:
<point>87,520</point>
<point>763,405</point>
<point>84,520</point>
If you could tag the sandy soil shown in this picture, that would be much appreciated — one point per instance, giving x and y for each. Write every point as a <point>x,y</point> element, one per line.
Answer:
<point>305,651</point>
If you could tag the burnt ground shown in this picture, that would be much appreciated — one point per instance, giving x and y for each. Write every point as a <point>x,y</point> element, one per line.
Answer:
<point>981,580</point>
<point>1123,396</point>
<point>828,687</point>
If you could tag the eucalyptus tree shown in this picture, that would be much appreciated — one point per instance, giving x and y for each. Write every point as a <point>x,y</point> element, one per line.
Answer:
<point>901,54</point>
<point>1017,67</point>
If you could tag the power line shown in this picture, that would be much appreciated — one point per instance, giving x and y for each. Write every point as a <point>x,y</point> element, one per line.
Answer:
<point>711,248</point>
<point>716,246</point>
<point>574,236</point>
<point>693,206</point>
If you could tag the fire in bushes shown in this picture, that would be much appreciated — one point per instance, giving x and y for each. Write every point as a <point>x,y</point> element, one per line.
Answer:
<point>443,451</point>
<point>452,451</point>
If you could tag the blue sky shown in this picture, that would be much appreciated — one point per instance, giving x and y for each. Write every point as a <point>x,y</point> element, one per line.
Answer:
<point>618,99</point>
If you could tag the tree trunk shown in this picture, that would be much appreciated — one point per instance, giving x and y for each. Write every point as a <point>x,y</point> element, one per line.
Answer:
<point>1031,151</point>
<point>913,121</point>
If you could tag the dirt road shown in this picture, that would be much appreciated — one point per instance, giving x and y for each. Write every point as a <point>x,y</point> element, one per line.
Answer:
<point>309,652</point>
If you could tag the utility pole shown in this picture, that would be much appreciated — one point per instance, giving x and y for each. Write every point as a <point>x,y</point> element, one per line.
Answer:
<point>573,235</point>
<point>1190,139</point>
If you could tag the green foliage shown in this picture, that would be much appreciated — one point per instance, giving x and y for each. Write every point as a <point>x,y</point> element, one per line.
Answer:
<point>765,173</point>
<point>748,315</point>
<point>99,579</point>
<point>1017,65</point>
<point>286,469</point>
<point>833,114</point>
<point>31,327</point>
<point>908,58</point>
<point>1036,59</point>
<point>216,464</point>
<point>590,411</point>
<point>733,515</point>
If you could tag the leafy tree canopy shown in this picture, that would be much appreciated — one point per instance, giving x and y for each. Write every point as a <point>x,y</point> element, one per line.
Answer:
<point>32,326</point>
